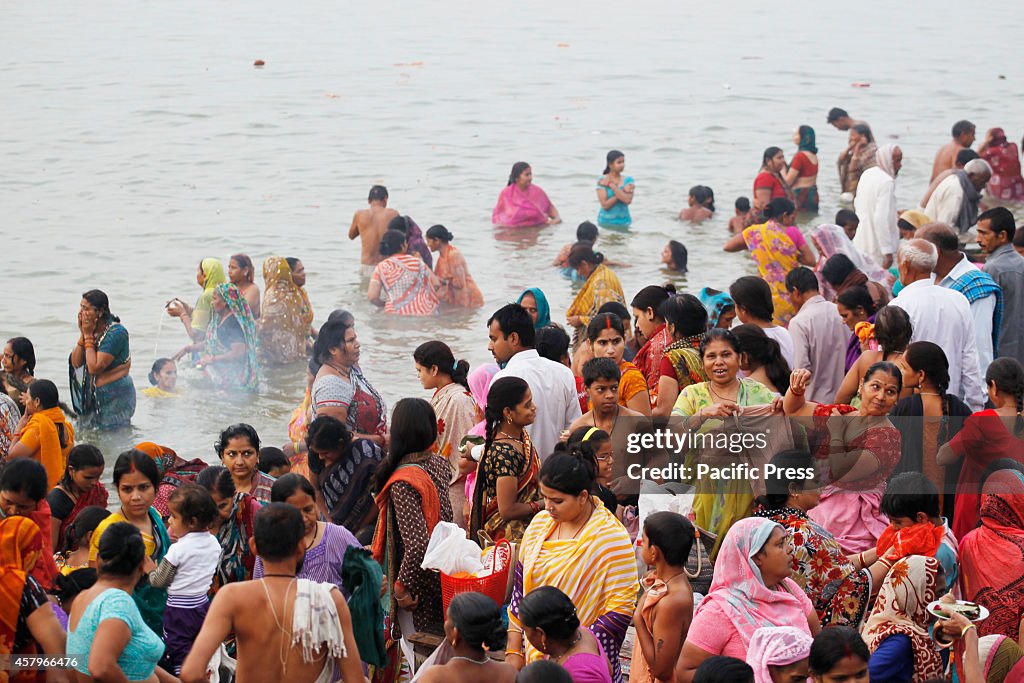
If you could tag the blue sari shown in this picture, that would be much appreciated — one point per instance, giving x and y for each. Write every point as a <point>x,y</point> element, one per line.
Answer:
<point>111,405</point>
<point>618,215</point>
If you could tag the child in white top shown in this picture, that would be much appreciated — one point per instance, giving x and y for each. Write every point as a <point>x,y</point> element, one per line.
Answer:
<point>187,569</point>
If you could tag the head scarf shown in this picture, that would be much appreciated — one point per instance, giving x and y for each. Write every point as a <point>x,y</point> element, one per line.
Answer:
<point>807,140</point>
<point>715,303</point>
<point>738,589</point>
<point>21,546</point>
<point>239,307</point>
<point>543,309</point>
<point>901,608</point>
<point>830,240</point>
<point>165,458</point>
<point>285,314</point>
<point>213,271</point>
<point>998,138</point>
<point>479,380</point>
<point>1002,659</point>
<point>776,646</point>
<point>883,159</point>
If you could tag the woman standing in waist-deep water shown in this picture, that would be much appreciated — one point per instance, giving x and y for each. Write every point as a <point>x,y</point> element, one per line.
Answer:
<point>102,393</point>
<point>402,283</point>
<point>615,192</point>
<point>209,275</point>
<point>242,274</point>
<point>522,204</point>
<point>802,174</point>
<point>283,328</point>
<point>457,286</point>
<point>769,183</point>
<point>229,346</point>
<point>601,286</point>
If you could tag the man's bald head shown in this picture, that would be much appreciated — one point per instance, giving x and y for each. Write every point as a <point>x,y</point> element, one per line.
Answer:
<point>941,235</point>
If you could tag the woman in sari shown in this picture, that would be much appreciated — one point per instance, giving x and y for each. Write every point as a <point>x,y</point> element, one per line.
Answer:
<point>299,278</point>
<point>769,183</point>
<point>402,284</point>
<point>233,527</point>
<point>751,589</point>
<point>896,633</point>
<point>607,339</point>
<point>102,393</point>
<point>650,322</point>
<point>686,321</point>
<point>1006,183</point>
<point>239,450</point>
<point>991,561</point>
<point>600,287</point>
<point>242,274</point>
<point>855,457</point>
<point>522,204</point>
<point>506,498</point>
<point>457,286</point>
<point>830,240</point>
<point>858,157</point>
<point>885,340</point>
<point>536,304</point>
<point>229,347</point>
<point>802,174</point>
<point>342,469</point>
<point>79,488</point>
<point>44,434</point>
<point>283,328</point>
<point>720,504</point>
<point>855,306</point>
<point>615,193</point>
<point>196,319</point>
<point>575,531</point>
<point>10,415</point>
<point>174,471</point>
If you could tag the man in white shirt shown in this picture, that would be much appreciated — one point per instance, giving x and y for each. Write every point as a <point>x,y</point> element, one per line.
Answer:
<point>955,200</point>
<point>954,271</point>
<point>941,316</point>
<point>878,235</point>
<point>552,384</point>
<point>819,336</point>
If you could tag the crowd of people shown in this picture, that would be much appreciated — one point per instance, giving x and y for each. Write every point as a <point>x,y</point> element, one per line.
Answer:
<point>891,361</point>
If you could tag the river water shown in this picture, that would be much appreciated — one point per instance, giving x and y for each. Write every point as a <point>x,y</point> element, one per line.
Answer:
<point>139,138</point>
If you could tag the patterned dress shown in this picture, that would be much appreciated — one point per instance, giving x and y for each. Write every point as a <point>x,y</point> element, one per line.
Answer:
<point>503,459</point>
<point>405,283</point>
<point>111,405</point>
<point>776,255</point>
<point>285,315</point>
<point>601,287</point>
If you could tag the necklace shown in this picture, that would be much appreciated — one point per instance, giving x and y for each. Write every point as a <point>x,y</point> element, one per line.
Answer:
<point>282,576</point>
<point>502,432</point>
<point>282,648</point>
<point>316,532</point>
<point>615,419</point>
<point>485,660</point>
<point>711,388</point>
<point>574,643</point>
<point>345,373</point>
<point>573,537</point>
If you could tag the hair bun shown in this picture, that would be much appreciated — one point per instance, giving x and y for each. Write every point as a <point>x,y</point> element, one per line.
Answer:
<point>670,290</point>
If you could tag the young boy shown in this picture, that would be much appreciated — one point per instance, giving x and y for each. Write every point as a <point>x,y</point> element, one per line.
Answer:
<point>848,221</point>
<point>741,221</point>
<point>601,378</point>
<point>273,462</point>
<point>911,502</point>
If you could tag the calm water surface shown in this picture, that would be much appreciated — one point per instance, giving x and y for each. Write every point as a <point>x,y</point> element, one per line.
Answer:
<point>138,138</point>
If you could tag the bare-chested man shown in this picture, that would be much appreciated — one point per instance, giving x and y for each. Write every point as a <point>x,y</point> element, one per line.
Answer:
<point>370,225</point>
<point>945,158</point>
<point>261,614</point>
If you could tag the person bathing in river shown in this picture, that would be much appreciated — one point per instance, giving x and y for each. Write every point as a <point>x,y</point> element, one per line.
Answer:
<point>457,286</point>
<point>615,192</point>
<point>522,204</point>
<point>674,256</point>
<point>242,274</point>
<point>163,377</point>
<point>700,204</point>
<point>402,283</point>
<point>414,236</point>
<point>802,174</point>
<point>102,393</point>
<point>197,318</point>
<point>369,225</point>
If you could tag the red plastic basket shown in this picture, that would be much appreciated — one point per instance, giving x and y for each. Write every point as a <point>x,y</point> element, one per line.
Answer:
<point>492,585</point>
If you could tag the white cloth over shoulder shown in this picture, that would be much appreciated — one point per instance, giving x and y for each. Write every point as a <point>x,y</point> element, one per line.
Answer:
<point>315,624</point>
<point>877,235</point>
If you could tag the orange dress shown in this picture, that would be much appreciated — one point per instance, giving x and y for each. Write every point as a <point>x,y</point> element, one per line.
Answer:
<point>457,285</point>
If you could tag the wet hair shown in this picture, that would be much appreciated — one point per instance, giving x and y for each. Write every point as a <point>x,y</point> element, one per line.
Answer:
<point>929,358</point>
<point>723,669</point>
<point>85,523</point>
<point>766,352</point>
<point>439,232</point>
<point>158,366</point>
<point>893,329</point>
<point>548,608</point>
<point>962,127</point>
<point>802,279</point>
<point>781,484</point>
<point>753,295</point>
<point>517,170</point>
<point>586,232</point>
<point>378,193</point>
<point>837,268</point>
<point>71,584</point>
<point>233,432</point>
<point>685,313</point>
<point>600,368</point>
<point>720,334</point>
<point>278,529</point>
<point>340,315</point>
<point>413,430</point>
<point>611,157</point>
<point>194,505</point>
<point>81,456</point>
<point>856,297</point>
<point>288,485</point>
<point>742,204</point>
<point>505,392</point>
<point>602,322</point>
<point>1008,376</point>
<point>98,300</point>
<point>552,342</point>
<point>583,252</point>
<point>652,297</point>
<point>864,130</point>
<point>835,113</point>
<point>845,217</point>
<point>331,336</point>
<point>399,224</point>
<point>965,155</point>
<point>703,195</point>
<point>672,534</point>
<point>44,391</point>
<point>271,457</point>
<point>909,493</point>
<point>680,256</point>
<point>436,353</point>
<point>292,262</point>
<point>888,368</point>
<point>121,550</point>
<point>134,460</point>
<point>217,479</point>
<point>24,476</point>
<point>1000,219</point>
<point>23,349</point>
<point>778,207</point>
<point>245,263</point>
<point>769,154</point>
<point>514,318</point>
<point>478,619</point>
<point>392,242</point>
<point>568,475</point>
<point>544,671</point>
<point>834,644</point>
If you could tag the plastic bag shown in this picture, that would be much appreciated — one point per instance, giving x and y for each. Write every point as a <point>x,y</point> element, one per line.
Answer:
<point>449,551</point>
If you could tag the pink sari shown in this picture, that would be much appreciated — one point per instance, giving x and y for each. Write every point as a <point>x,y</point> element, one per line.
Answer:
<point>519,209</point>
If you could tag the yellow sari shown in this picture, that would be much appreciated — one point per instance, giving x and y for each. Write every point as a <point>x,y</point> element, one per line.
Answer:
<point>601,287</point>
<point>213,271</point>
<point>285,317</point>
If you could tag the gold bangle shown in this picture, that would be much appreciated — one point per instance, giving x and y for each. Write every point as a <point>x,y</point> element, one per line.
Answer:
<point>967,628</point>
<point>513,652</point>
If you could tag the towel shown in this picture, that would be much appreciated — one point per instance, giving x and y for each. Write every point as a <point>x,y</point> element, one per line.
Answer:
<point>315,624</point>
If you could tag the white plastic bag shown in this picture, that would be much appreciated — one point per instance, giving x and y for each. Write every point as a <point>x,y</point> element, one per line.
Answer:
<point>449,551</point>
